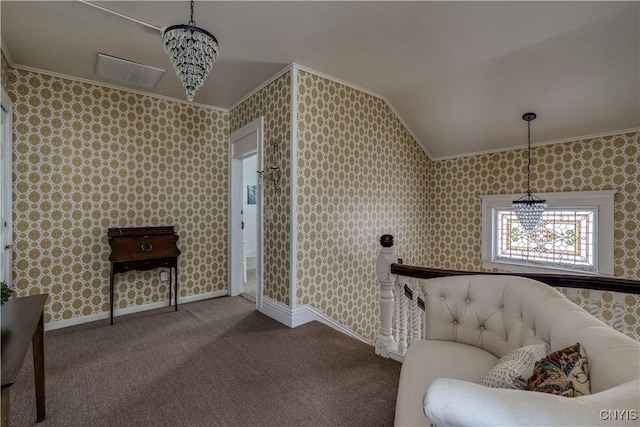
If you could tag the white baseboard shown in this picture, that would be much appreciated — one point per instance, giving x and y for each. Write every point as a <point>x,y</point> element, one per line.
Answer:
<point>129,310</point>
<point>301,315</point>
<point>277,311</point>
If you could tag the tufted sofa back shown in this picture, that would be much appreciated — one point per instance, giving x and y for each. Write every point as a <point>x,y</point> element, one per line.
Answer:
<point>501,313</point>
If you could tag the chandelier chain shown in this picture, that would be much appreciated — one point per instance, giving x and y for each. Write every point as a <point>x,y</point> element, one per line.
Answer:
<point>529,157</point>
<point>528,208</point>
<point>191,21</point>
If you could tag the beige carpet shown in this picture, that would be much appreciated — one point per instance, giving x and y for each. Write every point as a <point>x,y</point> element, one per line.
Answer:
<point>213,363</point>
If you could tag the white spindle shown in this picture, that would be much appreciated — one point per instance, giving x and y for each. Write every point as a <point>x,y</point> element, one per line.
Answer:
<point>415,315</point>
<point>618,322</point>
<point>423,316</point>
<point>387,256</point>
<point>397,300</point>
<point>402,320</point>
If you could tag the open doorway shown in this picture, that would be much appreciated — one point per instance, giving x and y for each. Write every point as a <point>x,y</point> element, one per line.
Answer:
<point>6,215</point>
<point>245,213</point>
<point>249,225</point>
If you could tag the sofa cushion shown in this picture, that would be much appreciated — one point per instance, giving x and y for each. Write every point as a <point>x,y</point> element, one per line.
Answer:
<point>427,360</point>
<point>514,368</point>
<point>475,405</point>
<point>564,372</point>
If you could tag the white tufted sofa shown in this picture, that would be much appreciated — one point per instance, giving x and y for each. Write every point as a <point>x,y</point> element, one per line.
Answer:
<point>471,321</point>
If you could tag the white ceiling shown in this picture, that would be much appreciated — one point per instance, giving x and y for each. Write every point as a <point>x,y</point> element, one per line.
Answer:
<point>460,74</point>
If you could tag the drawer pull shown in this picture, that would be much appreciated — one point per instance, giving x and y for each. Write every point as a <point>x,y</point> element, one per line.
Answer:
<point>146,247</point>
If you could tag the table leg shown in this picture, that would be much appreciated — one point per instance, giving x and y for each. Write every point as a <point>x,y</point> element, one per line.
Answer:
<point>111,294</point>
<point>170,283</point>
<point>38,368</point>
<point>5,407</point>
<point>176,296</point>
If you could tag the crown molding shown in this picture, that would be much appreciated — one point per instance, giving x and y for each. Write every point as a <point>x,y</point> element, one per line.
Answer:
<point>116,87</point>
<point>5,51</point>
<point>538,144</point>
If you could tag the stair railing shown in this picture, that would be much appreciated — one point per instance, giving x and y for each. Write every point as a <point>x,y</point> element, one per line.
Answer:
<point>402,299</point>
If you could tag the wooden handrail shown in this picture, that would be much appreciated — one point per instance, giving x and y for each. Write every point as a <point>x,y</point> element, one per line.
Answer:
<point>600,283</point>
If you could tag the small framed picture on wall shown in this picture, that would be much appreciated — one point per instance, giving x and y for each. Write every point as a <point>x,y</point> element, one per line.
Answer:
<point>251,194</point>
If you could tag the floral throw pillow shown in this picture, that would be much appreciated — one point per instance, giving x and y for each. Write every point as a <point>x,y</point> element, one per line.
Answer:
<point>564,372</point>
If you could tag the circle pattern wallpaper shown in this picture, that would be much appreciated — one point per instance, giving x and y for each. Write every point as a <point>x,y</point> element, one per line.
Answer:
<point>88,158</point>
<point>273,102</point>
<point>607,163</point>
<point>360,175</point>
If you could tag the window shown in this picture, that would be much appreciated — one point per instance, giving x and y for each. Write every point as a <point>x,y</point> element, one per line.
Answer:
<point>575,234</point>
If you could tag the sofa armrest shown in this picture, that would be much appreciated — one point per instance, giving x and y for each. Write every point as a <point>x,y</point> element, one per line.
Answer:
<point>450,402</point>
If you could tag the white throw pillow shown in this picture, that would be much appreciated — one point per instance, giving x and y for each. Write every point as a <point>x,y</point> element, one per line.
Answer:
<point>514,368</point>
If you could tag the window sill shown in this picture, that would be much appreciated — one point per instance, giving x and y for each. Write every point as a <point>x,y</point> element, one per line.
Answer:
<point>520,268</point>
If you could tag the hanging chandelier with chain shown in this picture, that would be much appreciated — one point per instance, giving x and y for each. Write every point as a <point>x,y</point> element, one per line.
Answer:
<point>529,208</point>
<point>192,51</point>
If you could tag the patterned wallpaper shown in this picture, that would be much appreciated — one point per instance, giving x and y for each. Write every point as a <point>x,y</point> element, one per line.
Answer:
<point>611,163</point>
<point>360,175</point>
<point>273,102</point>
<point>455,187</point>
<point>87,158</point>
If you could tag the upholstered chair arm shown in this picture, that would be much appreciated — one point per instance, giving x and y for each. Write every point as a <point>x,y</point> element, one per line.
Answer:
<point>450,402</point>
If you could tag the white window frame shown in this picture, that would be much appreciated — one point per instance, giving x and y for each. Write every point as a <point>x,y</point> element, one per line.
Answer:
<point>603,201</point>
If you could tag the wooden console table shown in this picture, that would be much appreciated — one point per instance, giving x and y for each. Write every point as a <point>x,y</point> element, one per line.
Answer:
<point>22,324</point>
<point>143,248</point>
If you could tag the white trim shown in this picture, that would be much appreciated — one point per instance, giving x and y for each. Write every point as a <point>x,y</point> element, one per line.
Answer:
<point>200,297</point>
<point>260,220</point>
<point>303,314</point>
<point>7,104</point>
<point>121,15</point>
<point>130,310</point>
<point>7,54</point>
<point>337,80</point>
<point>368,92</point>
<point>538,144</point>
<point>261,86</point>
<point>6,179</point>
<point>293,220</point>
<point>234,231</point>
<point>328,77</point>
<point>277,311</point>
<point>524,268</point>
<point>116,87</point>
<point>605,239</point>
<point>306,313</point>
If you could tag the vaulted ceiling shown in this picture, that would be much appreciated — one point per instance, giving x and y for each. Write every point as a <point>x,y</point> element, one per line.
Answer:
<point>460,74</point>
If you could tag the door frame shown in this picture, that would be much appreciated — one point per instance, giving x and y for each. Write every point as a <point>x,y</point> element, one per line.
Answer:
<point>6,180</point>
<point>234,254</point>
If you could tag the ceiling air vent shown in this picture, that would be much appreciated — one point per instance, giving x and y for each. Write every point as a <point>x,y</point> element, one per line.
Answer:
<point>123,71</point>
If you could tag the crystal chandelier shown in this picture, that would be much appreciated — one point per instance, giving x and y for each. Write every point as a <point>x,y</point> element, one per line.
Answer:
<point>192,51</point>
<point>529,208</point>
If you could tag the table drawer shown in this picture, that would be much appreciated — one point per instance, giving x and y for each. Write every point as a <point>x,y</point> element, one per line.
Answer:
<point>127,248</point>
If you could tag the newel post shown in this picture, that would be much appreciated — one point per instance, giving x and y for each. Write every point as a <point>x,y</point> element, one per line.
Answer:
<point>387,256</point>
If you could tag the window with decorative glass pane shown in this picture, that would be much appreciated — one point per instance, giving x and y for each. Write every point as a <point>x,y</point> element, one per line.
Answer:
<point>563,238</point>
<point>575,234</point>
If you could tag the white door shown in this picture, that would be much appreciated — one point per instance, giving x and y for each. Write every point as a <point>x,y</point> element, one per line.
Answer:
<point>6,159</point>
<point>243,144</point>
